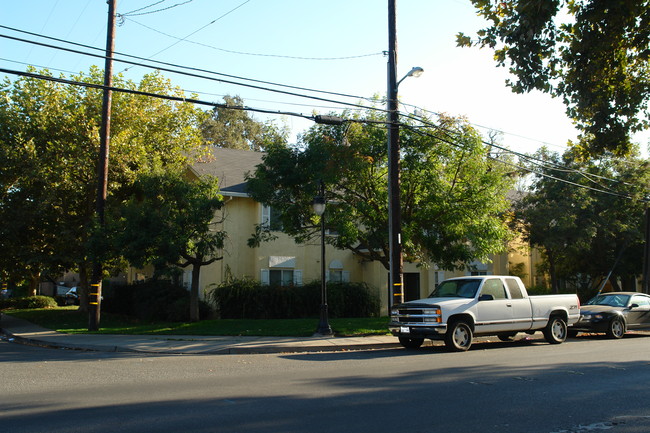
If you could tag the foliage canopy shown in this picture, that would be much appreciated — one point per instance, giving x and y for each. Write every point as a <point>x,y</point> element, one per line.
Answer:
<point>453,194</point>
<point>591,53</point>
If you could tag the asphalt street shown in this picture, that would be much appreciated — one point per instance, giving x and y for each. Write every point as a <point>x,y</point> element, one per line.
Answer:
<point>589,384</point>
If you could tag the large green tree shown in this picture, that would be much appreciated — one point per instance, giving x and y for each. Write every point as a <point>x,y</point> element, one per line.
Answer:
<point>49,141</point>
<point>234,128</point>
<point>591,53</point>
<point>452,193</point>
<point>589,222</point>
<point>170,220</point>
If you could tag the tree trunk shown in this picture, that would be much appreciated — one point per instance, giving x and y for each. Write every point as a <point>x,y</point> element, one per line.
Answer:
<point>33,284</point>
<point>194,292</point>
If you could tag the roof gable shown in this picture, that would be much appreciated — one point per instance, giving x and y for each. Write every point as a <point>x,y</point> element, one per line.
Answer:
<point>230,166</point>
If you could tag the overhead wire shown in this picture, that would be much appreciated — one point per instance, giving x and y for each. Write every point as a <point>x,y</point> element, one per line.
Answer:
<point>520,155</point>
<point>196,75</point>
<point>281,56</point>
<point>137,11</point>
<point>543,163</point>
<point>176,65</point>
<point>530,170</point>
<point>198,30</point>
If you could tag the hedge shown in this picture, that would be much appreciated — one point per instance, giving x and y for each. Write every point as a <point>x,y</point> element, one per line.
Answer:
<point>28,302</point>
<point>249,299</point>
<point>152,301</point>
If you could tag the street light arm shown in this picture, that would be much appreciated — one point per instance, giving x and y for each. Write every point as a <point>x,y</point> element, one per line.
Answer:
<point>415,72</point>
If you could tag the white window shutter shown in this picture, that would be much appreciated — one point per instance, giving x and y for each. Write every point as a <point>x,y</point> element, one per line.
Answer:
<point>297,277</point>
<point>345,276</point>
<point>265,277</point>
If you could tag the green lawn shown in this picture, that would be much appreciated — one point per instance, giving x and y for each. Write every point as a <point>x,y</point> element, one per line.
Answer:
<point>70,320</point>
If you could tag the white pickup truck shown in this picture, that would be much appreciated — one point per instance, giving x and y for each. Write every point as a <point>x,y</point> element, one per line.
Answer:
<point>461,308</point>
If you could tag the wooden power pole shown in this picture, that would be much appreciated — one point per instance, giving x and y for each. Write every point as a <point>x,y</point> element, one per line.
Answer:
<point>95,293</point>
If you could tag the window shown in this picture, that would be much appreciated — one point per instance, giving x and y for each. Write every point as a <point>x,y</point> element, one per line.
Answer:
<point>513,287</point>
<point>271,218</point>
<point>338,276</point>
<point>641,301</point>
<point>281,277</point>
<point>494,287</point>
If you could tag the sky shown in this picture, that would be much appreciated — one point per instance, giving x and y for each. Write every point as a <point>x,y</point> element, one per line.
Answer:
<point>334,46</point>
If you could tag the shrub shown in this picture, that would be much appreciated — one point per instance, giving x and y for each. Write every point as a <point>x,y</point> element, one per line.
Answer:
<point>153,301</point>
<point>28,302</point>
<point>248,299</point>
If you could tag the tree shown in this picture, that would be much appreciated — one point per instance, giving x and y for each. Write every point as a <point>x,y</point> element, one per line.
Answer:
<point>590,226</point>
<point>49,140</point>
<point>452,195</point>
<point>591,53</point>
<point>170,220</point>
<point>233,128</point>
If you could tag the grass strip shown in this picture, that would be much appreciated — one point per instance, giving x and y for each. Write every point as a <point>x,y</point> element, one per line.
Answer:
<point>72,321</point>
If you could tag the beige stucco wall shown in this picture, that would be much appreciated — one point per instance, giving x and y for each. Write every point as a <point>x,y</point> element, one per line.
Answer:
<point>241,214</point>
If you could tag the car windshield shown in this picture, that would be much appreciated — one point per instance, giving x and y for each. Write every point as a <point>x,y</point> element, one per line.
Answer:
<point>612,300</point>
<point>456,289</point>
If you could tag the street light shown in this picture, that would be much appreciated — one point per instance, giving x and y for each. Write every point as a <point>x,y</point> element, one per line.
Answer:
<point>319,209</point>
<point>396,263</point>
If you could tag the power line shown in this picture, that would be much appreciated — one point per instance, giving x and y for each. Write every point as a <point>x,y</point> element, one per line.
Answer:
<point>544,164</point>
<point>198,30</point>
<point>135,12</point>
<point>197,76</point>
<point>530,170</point>
<point>280,56</point>
<point>164,63</point>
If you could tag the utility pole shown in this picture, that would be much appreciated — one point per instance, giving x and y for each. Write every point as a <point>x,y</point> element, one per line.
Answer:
<point>95,293</point>
<point>394,206</point>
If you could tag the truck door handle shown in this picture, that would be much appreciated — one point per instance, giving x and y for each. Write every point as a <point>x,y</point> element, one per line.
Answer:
<point>508,305</point>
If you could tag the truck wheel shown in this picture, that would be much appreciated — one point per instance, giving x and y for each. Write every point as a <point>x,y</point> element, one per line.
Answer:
<point>556,330</point>
<point>459,336</point>
<point>616,328</point>
<point>411,342</point>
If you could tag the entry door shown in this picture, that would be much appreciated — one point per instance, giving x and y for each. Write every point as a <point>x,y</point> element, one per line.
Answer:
<point>494,315</point>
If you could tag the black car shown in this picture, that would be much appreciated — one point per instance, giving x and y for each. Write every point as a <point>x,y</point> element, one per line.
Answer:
<point>614,313</point>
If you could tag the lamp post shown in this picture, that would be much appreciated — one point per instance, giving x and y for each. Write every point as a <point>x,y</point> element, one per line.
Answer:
<point>394,207</point>
<point>319,209</point>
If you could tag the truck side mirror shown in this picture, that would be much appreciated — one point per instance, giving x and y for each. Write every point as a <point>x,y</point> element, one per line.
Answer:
<point>486,298</point>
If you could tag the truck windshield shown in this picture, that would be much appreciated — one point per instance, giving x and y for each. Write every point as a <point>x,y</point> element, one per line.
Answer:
<point>456,289</point>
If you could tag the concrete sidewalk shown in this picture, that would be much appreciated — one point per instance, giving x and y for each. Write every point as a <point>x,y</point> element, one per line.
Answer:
<point>20,331</point>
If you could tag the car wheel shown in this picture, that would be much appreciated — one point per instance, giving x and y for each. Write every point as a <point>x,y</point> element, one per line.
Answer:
<point>411,342</point>
<point>616,328</point>
<point>459,336</point>
<point>556,330</point>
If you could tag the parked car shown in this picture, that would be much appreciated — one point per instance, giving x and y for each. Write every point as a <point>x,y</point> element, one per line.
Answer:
<point>72,297</point>
<point>614,313</point>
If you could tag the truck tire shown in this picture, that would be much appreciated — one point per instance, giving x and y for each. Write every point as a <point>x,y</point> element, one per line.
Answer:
<point>411,342</point>
<point>459,336</point>
<point>556,330</point>
<point>616,328</point>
